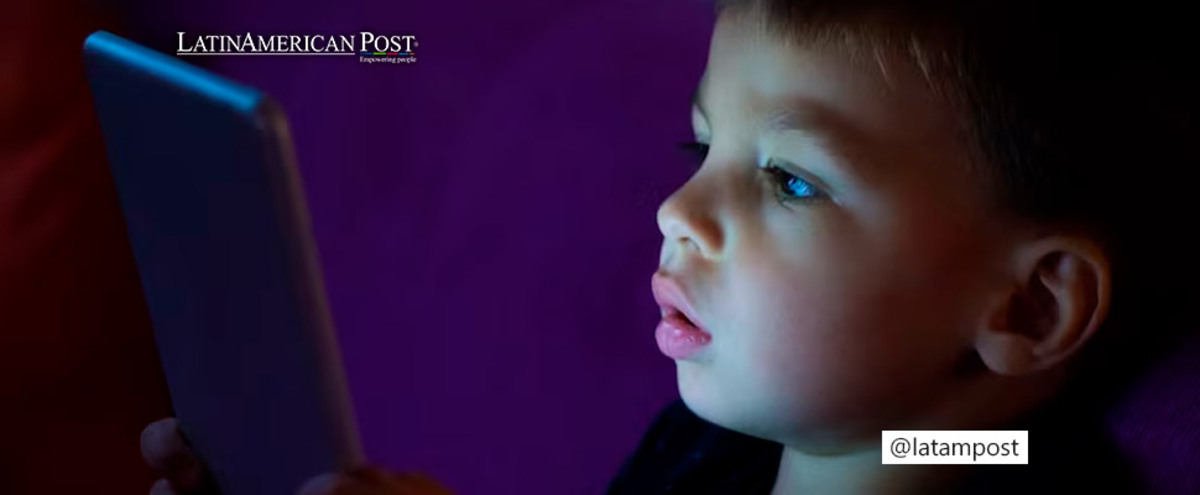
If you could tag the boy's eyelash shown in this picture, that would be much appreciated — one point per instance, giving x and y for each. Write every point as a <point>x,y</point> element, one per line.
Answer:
<point>780,178</point>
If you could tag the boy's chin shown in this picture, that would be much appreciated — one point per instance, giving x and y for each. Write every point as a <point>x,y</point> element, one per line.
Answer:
<point>730,418</point>
<point>766,419</point>
<point>714,406</point>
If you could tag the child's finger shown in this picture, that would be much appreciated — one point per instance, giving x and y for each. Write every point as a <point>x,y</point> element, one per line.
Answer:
<point>165,451</point>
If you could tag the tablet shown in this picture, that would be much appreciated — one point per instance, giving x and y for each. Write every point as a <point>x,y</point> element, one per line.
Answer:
<point>215,214</point>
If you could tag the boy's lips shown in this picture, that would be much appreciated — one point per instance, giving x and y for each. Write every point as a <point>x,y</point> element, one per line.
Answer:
<point>679,335</point>
<point>672,300</point>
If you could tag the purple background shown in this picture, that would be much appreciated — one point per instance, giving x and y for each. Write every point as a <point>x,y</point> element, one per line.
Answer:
<point>486,219</point>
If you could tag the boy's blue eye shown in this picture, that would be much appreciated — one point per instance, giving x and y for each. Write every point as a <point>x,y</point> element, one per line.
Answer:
<point>789,186</point>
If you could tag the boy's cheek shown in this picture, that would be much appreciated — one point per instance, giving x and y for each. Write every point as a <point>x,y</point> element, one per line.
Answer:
<point>832,338</point>
<point>831,389</point>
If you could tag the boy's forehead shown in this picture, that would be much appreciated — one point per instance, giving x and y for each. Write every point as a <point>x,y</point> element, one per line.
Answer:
<point>759,88</point>
<point>760,73</point>
<point>747,60</point>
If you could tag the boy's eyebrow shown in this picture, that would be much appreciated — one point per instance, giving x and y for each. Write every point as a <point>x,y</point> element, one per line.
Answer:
<point>815,119</point>
<point>840,135</point>
<point>811,117</point>
<point>798,113</point>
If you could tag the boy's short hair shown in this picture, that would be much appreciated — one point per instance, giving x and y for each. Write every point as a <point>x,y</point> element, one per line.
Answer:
<point>1080,119</point>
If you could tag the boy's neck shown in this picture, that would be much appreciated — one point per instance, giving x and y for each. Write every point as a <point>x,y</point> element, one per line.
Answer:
<point>860,472</point>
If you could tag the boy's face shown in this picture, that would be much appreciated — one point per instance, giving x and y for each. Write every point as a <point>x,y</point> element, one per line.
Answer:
<point>842,292</point>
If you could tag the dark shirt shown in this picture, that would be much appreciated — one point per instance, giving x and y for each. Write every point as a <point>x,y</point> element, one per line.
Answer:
<point>684,454</point>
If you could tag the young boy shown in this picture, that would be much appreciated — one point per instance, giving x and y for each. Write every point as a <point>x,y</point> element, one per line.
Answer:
<point>908,218</point>
<point>929,216</point>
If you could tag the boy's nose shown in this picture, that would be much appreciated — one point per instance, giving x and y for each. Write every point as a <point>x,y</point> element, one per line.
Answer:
<point>687,219</point>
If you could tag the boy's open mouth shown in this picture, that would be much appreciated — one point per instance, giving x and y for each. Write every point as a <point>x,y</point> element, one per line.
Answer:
<point>676,312</point>
<point>672,301</point>
<point>679,335</point>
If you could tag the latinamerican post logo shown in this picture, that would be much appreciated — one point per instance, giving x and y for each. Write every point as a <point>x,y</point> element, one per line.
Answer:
<point>367,46</point>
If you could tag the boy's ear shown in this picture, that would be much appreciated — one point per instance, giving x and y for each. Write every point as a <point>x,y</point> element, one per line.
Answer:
<point>1061,294</point>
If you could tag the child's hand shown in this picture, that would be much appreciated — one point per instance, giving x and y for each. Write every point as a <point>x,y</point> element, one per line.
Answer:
<point>183,473</point>
<point>165,451</point>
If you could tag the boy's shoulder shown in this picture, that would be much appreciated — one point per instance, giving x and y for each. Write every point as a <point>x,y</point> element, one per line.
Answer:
<point>682,453</point>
